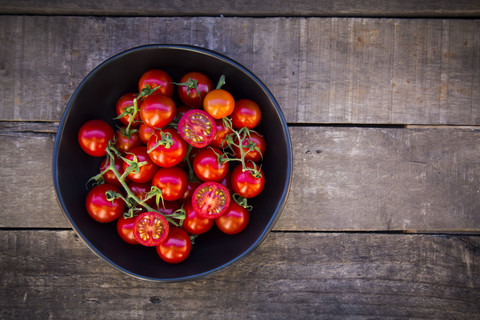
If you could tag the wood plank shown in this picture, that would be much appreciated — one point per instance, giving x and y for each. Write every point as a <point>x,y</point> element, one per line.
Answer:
<point>325,70</point>
<point>50,274</point>
<point>379,179</point>
<point>372,8</point>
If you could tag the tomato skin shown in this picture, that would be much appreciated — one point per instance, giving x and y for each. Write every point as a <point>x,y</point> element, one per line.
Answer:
<point>206,165</point>
<point>157,78</point>
<point>197,128</point>
<point>190,97</point>
<point>171,181</point>
<point>245,184</point>
<point>157,110</point>
<point>140,190</point>
<point>125,229</point>
<point>193,223</point>
<point>126,101</point>
<point>124,143</point>
<point>109,176</point>
<point>234,220</point>
<point>219,103</point>
<point>177,247</point>
<point>210,200</point>
<point>146,172</point>
<point>167,157</point>
<point>220,136</point>
<point>145,132</point>
<point>187,195</point>
<point>150,229</point>
<point>252,155</point>
<point>247,114</point>
<point>94,136</point>
<point>167,207</point>
<point>99,208</point>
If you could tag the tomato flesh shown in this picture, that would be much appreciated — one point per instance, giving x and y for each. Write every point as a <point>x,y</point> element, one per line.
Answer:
<point>210,200</point>
<point>197,128</point>
<point>150,229</point>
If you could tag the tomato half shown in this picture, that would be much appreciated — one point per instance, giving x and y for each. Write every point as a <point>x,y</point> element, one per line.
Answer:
<point>210,200</point>
<point>234,220</point>
<point>157,110</point>
<point>247,114</point>
<point>150,229</point>
<point>245,184</point>
<point>157,78</point>
<point>166,148</point>
<point>177,247</point>
<point>193,223</point>
<point>197,128</point>
<point>125,102</point>
<point>171,181</point>
<point>145,172</point>
<point>101,209</point>
<point>125,229</point>
<point>219,103</point>
<point>94,136</point>
<point>190,96</point>
<point>250,145</point>
<point>207,167</point>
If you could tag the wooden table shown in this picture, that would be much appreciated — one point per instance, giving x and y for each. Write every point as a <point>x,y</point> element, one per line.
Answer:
<point>382,100</point>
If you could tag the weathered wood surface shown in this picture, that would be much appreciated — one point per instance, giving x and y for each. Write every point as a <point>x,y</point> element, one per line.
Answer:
<point>399,8</point>
<point>324,70</point>
<point>51,274</point>
<point>376,179</point>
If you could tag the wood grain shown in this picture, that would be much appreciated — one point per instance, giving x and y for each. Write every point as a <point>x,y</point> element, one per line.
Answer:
<point>51,274</point>
<point>324,70</point>
<point>377,179</point>
<point>372,8</point>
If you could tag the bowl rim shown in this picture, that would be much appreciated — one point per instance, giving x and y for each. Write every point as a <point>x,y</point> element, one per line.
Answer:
<point>280,205</point>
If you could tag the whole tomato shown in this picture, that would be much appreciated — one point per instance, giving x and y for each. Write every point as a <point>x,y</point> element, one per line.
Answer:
<point>157,78</point>
<point>245,184</point>
<point>94,136</point>
<point>145,132</point>
<point>142,173</point>
<point>253,146</point>
<point>171,181</point>
<point>207,167</point>
<point>222,132</point>
<point>125,105</point>
<point>166,148</point>
<point>177,246</point>
<point>193,223</point>
<point>234,220</point>
<point>124,143</point>
<point>246,114</point>
<point>125,229</point>
<point>157,110</point>
<point>109,176</point>
<point>189,94</point>
<point>101,208</point>
<point>219,103</point>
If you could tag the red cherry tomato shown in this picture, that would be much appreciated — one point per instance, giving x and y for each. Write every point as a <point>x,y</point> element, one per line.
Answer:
<point>197,128</point>
<point>94,136</point>
<point>145,132</point>
<point>193,223</point>
<point>150,229</point>
<point>250,145</point>
<point>125,102</point>
<point>222,132</point>
<point>125,229</point>
<point>234,220</point>
<point>219,103</point>
<point>189,96</point>
<point>245,184</point>
<point>187,195</point>
<point>166,148</point>
<point>167,207</point>
<point>101,209</point>
<point>207,167</point>
<point>145,172</point>
<point>210,200</point>
<point>140,190</point>
<point>247,114</point>
<point>124,143</point>
<point>109,176</point>
<point>157,110</point>
<point>177,246</point>
<point>171,181</point>
<point>157,78</point>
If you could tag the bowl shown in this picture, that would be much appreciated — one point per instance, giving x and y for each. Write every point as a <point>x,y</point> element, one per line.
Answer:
<point>96,97</point>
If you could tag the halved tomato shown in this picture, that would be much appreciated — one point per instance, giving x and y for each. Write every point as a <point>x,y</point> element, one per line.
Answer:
<point>197,128</point>
<point>150,229</point>
<point>210,200</point>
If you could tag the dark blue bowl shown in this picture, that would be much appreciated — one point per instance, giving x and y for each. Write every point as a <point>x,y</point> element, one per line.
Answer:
<point>96,96</point>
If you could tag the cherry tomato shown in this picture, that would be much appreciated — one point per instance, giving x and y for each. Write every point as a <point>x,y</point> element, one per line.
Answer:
<point>125,229</point>
<point>234,220</point>
<point>140,190</point>
<point>197,128</point>
<point>207,167</point>
<point>157,78</point>
<point>145,172</point>
<point>124,143</point>
<point>157,110</point>
<point>222,132</point>
<point>171,181</point>
<point>94,136</point>
<point>166,148</point>
<point>145,132</point>
<point>101,209</point>
<point>219,103</point>
<point>245,184</point>
<point>109,176</point>
<point>247,114</point>
<point>210,200</point>
<point>187,195</point>
<point>125,102</point>
<point>190,96</point>
<point>177,246</point>
<point>167,207</point>
<point>193,223</point>
<point>255,140</point>
<point>150,229</point>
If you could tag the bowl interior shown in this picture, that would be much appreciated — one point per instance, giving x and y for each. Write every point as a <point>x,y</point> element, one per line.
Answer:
<point>96,97</point>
